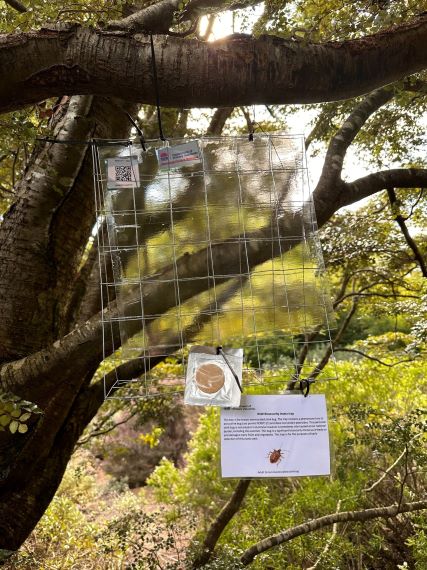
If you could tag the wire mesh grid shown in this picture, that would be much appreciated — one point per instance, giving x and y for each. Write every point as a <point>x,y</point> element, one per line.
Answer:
<point>220,252</point>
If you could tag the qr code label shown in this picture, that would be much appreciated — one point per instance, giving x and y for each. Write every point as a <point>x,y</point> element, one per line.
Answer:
<point>122,172</point>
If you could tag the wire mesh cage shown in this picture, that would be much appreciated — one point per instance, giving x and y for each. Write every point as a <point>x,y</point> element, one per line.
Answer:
<point>218,249</point>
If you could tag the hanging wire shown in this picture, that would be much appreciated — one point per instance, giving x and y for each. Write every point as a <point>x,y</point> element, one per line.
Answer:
<point>156,88</point>
<point>252,125</point>
<point>138,130</point>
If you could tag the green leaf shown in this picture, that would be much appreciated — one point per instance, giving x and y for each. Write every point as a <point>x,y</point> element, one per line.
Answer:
<point>25,417</point>
<point>23,428</point>
<point>16,413</point>
<point>4,420</point>
<point>13,426</point>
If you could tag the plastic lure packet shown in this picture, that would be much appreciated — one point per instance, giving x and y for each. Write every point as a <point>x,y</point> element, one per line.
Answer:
<point>210,378</point>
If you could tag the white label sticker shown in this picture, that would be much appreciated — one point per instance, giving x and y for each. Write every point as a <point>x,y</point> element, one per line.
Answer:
<point>179,155</point>
<point>275,436</point>
<point>122,172</point>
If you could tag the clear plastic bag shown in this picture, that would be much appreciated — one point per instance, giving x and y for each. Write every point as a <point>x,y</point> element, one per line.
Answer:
<point>214,377</point>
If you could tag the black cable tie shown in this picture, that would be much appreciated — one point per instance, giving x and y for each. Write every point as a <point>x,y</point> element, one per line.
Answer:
<point>220,351</point>
<point>138,130</point>
<point>156,88</point>
<point>304,386</point>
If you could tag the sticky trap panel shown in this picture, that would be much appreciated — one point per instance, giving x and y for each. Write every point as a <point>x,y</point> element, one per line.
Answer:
<point>221,252</point>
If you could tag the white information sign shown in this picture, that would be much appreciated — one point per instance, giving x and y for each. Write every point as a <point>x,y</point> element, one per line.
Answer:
<point>179,155</point>
<point>275,436</point>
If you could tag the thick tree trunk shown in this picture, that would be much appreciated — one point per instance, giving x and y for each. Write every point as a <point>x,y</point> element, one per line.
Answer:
<point>236,71</point>
<point>42,239</point>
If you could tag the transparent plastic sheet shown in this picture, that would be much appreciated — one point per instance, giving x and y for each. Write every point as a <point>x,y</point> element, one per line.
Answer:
<point>221,252</point>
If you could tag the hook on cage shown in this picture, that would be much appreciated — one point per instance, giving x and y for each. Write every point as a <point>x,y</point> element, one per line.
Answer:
<point>138,130</point>
<point>304,386</point>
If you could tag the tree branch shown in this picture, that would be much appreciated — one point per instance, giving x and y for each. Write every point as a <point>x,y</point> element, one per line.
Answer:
<point>408,238</point>
<point>266,70</point>
<point>373,357</point>
<point>372,183</point>
<point>218,120</point>
<point>74,354</point>
<point>156,18</point>
<point>224,517</point>
<point>316,524</point>
<point>16,5</point>
<point>332,166</point>
<point>386,472</point>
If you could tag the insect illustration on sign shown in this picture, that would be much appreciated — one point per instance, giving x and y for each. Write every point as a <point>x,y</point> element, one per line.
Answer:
<point>276,455</point>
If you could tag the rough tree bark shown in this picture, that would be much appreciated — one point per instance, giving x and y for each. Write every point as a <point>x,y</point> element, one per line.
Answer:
<point>42,239</point>
<point>328,520</point>
<point>191,73</point>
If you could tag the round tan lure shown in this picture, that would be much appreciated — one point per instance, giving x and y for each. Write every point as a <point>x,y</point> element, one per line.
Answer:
<point>209,377</point>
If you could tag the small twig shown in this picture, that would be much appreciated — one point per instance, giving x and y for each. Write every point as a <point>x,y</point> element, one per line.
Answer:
<point>311,337</point>
<point>405,477</point>
<point>408,238</point>
<point>15,158</point>
<point>415,204</point>
<point>191,29</point>
<point>272,113</point>
<point>373,357</point>
<point>99,432</point>
<point>329,542</point>
<point>249,122</point>
<point>209,28</point>
<point>386,472</point>
<point>26,155</point>
<point>329,350</point>
<point>7,190</point>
